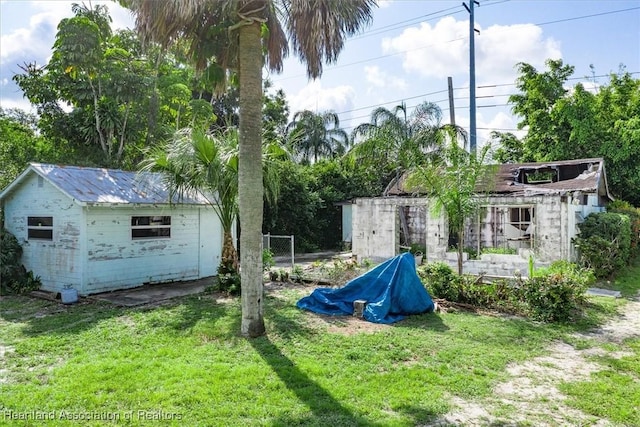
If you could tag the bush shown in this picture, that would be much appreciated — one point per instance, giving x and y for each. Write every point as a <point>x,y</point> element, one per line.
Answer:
<point>604,242</point>
<point>14,278</point>
<point>228,279</point>
<point>267,259</point>
<point>622,207</point>
<point>553,294</point>
<point>440,280</point>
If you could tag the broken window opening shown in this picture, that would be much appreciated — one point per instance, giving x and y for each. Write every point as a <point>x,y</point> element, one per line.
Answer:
<point>40,228</point>
<point>541,176</point>
<point>150,227</point>
<point>506,227</point>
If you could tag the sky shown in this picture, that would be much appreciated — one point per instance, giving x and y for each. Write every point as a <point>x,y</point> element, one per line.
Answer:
<point>405,54</point>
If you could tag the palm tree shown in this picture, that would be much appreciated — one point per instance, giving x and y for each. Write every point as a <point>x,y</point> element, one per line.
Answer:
<point>193,161</point>
<point>397,139</point>
<point>317,135</point>
<point>238,35</point>
<point>450,181</point>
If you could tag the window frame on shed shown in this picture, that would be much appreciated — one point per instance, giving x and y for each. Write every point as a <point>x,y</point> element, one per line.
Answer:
<point>40,228</point>
<point>145,227</point>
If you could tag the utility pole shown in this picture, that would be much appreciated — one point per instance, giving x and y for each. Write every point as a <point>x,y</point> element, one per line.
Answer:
<point>472,77</point>
<point>452,112</point>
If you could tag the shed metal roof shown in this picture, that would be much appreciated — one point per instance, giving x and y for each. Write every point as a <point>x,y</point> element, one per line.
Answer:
<point>105,186</point>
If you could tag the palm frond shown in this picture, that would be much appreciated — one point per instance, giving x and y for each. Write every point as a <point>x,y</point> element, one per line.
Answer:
<point>318,29</point>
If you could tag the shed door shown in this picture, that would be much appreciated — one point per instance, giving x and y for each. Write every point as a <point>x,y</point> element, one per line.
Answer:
<point>210,247</point>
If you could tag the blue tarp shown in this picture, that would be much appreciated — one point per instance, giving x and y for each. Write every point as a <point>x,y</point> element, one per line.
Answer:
<point>392,291</point>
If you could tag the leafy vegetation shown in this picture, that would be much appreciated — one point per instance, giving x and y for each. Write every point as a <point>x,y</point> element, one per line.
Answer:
<point>15,279</point>
<point>185,361</point>
<point>555,294</point>
<point>453,193</point>
<point>578,123</point>
<point>604,242</point>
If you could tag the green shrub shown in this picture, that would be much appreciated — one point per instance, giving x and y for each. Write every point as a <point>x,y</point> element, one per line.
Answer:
<point>440,280</point>
<point>556,293</point>
<point>622,207</point>
<point>14,279</point>
<point>604,242</point>
<point>228,279</point>
<point>417,248</point>
<point>552,294</point>
<point>267,259</point>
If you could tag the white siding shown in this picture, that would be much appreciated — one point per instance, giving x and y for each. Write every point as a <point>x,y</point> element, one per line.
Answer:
<point>57,262</point>
<point>210,242</point>
<point>116,261</point>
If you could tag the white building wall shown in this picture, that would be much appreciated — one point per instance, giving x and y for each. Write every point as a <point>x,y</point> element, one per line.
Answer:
<point>57,262</point>
<point>376,224</point>
<point>210,242</point>
<point>116,261</point>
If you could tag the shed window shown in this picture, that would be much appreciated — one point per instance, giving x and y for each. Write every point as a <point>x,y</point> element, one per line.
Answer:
<point>40,228</point>
<point>150,227</point>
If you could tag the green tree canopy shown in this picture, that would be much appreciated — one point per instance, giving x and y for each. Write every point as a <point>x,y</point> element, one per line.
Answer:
<point>568,124</point>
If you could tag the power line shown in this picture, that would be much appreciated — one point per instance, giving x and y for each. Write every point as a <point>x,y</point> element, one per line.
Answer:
<point>575,18</point>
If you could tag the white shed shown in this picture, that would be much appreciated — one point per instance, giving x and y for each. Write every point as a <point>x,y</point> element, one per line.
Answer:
<point>100,230</point>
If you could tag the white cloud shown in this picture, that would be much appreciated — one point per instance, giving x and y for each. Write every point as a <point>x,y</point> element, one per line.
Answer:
<point>381,79</point>
<point>316,98</point>
<point>437,51</point>
<point>20,103</point>
<point>384,3</point>
<point>443,50</point>
<point>31,40</point>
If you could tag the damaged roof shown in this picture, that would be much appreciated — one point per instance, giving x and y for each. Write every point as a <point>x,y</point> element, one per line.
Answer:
<point>105,186</point>
<point>517,179</point>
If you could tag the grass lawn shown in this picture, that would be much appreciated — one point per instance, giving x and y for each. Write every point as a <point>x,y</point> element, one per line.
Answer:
<point>183,363</point>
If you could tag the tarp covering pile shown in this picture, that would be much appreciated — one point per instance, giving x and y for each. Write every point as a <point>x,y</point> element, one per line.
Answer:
<point>392,291</point>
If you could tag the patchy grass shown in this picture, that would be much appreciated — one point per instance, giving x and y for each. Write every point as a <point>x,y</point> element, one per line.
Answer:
<point>183,363</point>
<point>614,392</point>
<point>184,360</point>
<point>626,281</point>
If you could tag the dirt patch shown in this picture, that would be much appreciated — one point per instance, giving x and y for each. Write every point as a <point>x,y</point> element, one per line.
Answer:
<point>532,391</point>
<point>345,325</point>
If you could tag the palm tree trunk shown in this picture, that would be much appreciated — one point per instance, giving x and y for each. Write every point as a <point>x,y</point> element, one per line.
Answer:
<point>229,254</point>
<point>250,187</point>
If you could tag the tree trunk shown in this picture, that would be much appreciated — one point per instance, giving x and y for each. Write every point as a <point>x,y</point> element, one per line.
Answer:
<point>250,186</point>
<point>229,254</point>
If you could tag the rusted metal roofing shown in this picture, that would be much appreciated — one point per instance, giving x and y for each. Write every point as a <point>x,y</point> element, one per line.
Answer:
<point>105,186</point>
<point>584,175</point>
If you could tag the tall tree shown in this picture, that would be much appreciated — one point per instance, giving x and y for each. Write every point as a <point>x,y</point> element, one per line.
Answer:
<point>102,76</point>
<point>450,181</point>
<point>539,92</point>
<point>579,123</point>
<point>314,136</point>
<point>238,34</point>
<point>397,138</point>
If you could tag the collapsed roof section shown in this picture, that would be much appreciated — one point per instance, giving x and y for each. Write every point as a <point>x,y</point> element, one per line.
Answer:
<point>528,179</point>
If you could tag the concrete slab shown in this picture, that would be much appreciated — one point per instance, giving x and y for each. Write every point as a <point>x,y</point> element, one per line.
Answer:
<point>153,293</point>
<point>603,292</point>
